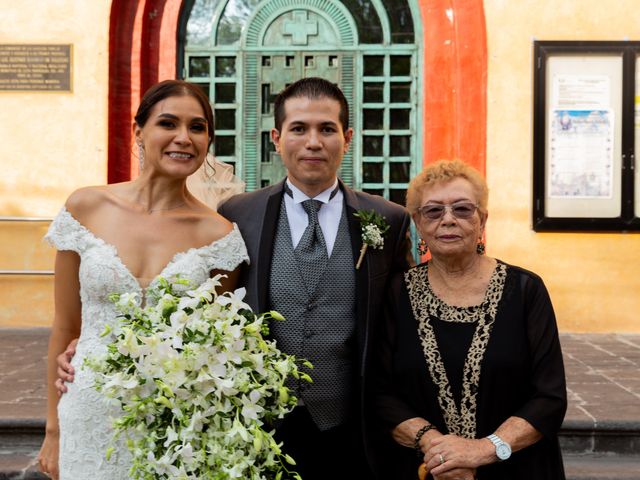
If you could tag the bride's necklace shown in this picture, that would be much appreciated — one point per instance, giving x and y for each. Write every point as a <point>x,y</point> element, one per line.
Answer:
<point>151,210</point>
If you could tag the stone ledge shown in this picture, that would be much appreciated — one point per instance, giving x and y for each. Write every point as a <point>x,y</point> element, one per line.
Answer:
<point>602,467</point>
<point>19,466</point>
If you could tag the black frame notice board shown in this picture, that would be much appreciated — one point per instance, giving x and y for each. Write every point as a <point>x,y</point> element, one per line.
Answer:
<point>585,124</point>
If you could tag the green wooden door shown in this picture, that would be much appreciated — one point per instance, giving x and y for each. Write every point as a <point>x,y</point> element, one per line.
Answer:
<point>276,70</point>
<point>242,52</point>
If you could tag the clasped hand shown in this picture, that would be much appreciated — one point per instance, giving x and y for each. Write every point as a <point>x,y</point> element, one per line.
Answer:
<point>450,457</point>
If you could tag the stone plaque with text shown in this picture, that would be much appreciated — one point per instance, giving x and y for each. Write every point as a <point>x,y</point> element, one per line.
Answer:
<point>44,68</point>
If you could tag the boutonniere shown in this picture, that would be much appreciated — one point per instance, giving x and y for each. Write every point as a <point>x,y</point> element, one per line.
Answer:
<point>373,226</point>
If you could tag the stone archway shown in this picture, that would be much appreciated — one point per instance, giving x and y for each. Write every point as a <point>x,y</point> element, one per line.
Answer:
<point>142,50</point>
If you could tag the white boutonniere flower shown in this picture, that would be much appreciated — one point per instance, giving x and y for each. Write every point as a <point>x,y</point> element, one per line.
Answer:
<point>374,226</point>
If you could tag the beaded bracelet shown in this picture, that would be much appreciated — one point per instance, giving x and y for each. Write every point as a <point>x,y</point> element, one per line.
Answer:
<point>416,440</point>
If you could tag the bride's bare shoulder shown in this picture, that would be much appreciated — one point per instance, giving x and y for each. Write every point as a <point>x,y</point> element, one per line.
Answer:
<point>211,225</point>
<point>218,226</point>
<point>86,201</point>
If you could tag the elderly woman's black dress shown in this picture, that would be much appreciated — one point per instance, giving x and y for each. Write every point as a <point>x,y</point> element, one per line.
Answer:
<point>515,368</point>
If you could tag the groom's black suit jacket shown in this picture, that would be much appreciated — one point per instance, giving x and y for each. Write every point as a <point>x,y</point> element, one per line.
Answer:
<point>257,213</point>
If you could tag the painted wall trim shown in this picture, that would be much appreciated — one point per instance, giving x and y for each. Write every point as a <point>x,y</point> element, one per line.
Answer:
<point>455,81</point>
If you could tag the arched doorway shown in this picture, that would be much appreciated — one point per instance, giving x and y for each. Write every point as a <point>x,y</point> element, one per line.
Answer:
<point>242,52</point>
<point>148,42</point>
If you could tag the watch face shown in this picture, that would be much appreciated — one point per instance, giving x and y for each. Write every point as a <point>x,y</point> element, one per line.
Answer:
<point>503,451</point>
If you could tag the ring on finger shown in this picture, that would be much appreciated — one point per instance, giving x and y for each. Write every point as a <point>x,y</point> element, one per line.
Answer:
<point>442,460</point>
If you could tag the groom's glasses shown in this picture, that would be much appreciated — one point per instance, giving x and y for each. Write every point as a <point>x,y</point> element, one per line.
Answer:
<point>459,210</point>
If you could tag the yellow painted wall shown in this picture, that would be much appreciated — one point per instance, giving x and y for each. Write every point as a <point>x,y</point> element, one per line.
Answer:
<point>52,143</point>
<point>593,278</point>
<point>55,142</point>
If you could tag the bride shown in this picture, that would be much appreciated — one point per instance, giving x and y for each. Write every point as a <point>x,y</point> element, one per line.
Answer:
<point>121,238</point>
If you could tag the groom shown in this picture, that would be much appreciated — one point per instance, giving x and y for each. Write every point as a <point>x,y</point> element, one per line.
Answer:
<point>304,241</point>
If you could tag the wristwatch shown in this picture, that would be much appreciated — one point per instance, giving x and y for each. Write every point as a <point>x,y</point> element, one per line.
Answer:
<point>503,449</point>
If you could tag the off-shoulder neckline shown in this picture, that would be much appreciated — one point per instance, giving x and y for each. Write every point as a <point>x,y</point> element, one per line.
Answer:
<point>225,238</point>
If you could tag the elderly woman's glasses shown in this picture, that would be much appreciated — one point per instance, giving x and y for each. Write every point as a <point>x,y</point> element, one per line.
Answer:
<point>459,210</point>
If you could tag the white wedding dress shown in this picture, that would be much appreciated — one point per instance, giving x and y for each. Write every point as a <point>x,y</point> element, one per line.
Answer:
<point>83,413</point>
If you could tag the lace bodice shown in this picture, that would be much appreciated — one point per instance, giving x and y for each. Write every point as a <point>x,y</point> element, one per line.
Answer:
<point>83,414</point>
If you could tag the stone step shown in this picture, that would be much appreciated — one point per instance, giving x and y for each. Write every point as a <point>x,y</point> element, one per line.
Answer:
<point>602,438</point>
<point>602,467</point>
<point>589,454</point>
<point>20,466</point>
<point>20,441</point>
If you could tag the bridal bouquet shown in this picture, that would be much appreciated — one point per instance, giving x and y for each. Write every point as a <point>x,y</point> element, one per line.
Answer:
<point>197,383</point>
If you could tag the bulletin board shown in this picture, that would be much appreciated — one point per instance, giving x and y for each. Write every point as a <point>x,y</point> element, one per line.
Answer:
<point>586,120</point>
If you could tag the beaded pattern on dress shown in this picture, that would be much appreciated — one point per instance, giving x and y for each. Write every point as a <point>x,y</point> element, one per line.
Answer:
<point>427,306</point>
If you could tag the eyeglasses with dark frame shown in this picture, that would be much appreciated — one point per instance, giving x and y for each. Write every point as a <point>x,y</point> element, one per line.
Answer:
<point>435,211</point>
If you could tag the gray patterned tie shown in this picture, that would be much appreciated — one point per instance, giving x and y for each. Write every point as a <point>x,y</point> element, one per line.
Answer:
<point>311,251</point>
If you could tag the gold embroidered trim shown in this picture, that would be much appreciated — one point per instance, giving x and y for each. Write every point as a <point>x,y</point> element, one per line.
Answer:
<point>427,306</point>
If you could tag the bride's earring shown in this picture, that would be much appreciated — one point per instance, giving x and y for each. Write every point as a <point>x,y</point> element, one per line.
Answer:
<point>140,156</point>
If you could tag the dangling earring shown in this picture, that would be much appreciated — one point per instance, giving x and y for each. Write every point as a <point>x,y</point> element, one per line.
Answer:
<point>480,248</point>
<point>422,247</point>
<point>140,156</point>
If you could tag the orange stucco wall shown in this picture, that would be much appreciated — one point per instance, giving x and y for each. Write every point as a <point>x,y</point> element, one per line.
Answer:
<point>455,80</point>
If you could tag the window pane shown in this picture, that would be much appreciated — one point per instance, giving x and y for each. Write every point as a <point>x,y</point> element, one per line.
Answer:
<point>225,66</point>
<point>233,166</point>
<point>400,92</point>
<point>225,119</point>
<point>400,21</point>
<point>400,118</point>
<point>373,118</point>
<point>367,20</point>
<point>373,65</point>
<point>200,24</point>
<point>399,172</point>
<point>267,147</point>
<point>225,145</point>
<point>374,92</point>
<point>266,99</point>
<point>199,67</point>
<point>204,87</point>
<point>234,17</point>
<point>372,172</point>
<point>372,146</point>
<point>400,65</point>
<point>399,145</point>
<point>374,191</point>
<point>398,196</point>
<point>225,92</point>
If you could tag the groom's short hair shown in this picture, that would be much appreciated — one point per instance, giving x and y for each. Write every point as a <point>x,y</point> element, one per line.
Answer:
<point>314,88</point>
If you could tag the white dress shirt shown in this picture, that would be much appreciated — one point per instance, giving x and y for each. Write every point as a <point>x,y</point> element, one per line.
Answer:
<point>328,216</point>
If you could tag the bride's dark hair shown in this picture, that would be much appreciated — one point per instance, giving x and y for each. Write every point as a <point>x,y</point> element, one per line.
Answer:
<point>174,88</point>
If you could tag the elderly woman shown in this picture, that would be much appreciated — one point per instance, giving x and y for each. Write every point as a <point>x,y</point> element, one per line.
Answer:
<point>470,379</point>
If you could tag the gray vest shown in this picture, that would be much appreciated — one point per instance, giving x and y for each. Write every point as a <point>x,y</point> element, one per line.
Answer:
<point>318,326</point>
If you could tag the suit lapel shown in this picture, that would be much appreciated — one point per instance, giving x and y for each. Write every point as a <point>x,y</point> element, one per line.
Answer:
<point>267,238</point>
<point>362,274</point>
